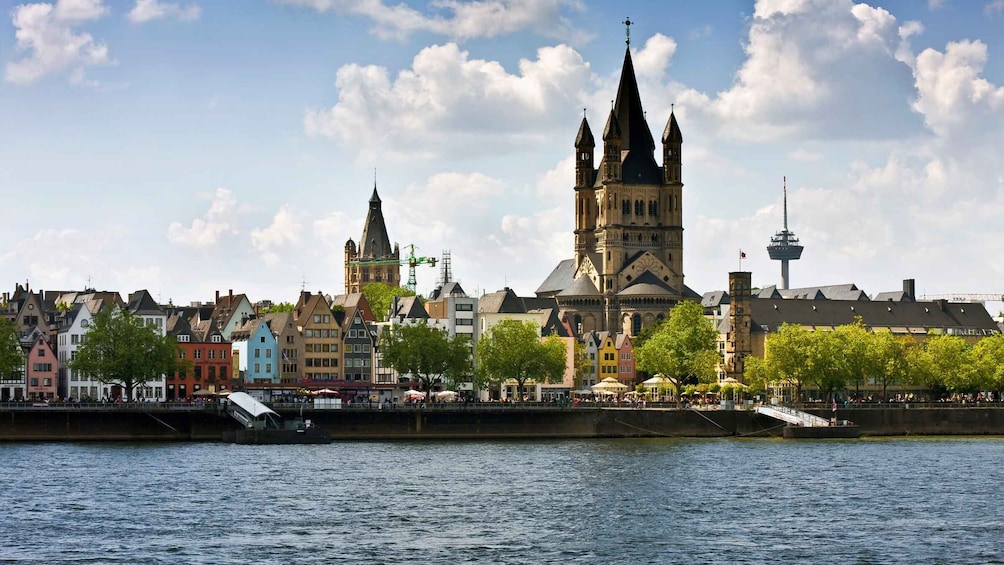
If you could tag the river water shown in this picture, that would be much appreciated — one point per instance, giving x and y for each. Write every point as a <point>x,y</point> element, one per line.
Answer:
<point>595,501</point>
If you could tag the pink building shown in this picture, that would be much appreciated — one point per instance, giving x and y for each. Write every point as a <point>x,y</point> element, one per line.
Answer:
<point>41,369</point>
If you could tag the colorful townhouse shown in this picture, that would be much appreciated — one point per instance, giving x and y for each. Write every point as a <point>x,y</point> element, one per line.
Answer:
<point>41,368</point>
<point>322,355</point>
<point>291,345</point>
<point>142,305</point>
<point>206,354</point>
<point>255,352</point>
<point>358,338</point>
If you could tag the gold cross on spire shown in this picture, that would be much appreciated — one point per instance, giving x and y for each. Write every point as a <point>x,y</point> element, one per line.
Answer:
<point>627,30</point>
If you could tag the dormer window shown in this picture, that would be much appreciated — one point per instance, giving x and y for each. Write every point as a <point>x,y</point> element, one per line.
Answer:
<point>216,338</point>
<point>183,338</point>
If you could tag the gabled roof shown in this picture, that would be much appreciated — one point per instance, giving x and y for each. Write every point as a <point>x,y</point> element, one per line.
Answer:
<point>559,279</point>
<point>551,323</point>
<point>178,324</point>
<point>893,296</point>
<point>408,307</point>
<point>715,298</point>
<point>141,303</point>
<point>502,302</point>
<point>451,288</point>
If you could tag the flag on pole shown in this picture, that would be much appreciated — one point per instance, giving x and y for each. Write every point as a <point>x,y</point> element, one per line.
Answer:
<point>741,254</point>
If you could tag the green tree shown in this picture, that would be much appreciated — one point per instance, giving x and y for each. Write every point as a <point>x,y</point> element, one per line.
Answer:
<point>852,357</point>
<point>512,349</point>
<point>425,352</point>
<point>682,349</point>
<point>276,308</point>
<point>380,296</point>
<point>121,349</point>
<point>989,358</point>
<point>786,354</point>
<point>582,364</point>
<point>952,361</point>
<point>888,356</point>
<point>11,355</point>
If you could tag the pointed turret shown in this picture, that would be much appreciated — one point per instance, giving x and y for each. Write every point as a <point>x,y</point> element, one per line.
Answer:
<point>374,243</point>
<point>584,146</point>
<point>672,151</point>
<point>612,147</point>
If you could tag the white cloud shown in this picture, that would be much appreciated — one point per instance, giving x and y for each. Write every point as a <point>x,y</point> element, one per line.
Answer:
<point>652,61</point>
<point>278,237</point>
<point>48,36</point>
<point>993,8</point>
<point>479,18</point>
<point>807,63</point>
<point>951,93</point>
<point>146,10</point>
<point>207,231</point>
<point>449,104</point>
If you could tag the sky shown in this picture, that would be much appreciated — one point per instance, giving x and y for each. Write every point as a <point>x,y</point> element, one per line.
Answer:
<point>195,146</point>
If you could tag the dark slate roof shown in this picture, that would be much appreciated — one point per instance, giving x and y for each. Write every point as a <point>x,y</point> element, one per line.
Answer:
<point>584,138</point>
<point>636,138</point>
<point>672,132</point>
<point>715,298</point>
<point>612,130</point>
<point>914,317</point>
<point>374,243</point>
<point>504,301</point>
<point>647,284</point>
<point>893,296</point>
<point>448,289</point>
<point>409,307</point>
<point>582,286</point>
<point>552,324</point>
<point>559,279</point>
<point>178,324</point>
<point>141,303</point>
<point>691,293</point>
<point>538,303</point>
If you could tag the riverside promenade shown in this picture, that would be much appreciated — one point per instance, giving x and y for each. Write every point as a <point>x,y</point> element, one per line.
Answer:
<point>205,421</point>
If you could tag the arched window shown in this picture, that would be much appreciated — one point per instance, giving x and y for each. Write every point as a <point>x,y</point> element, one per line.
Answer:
<point>636,324</point>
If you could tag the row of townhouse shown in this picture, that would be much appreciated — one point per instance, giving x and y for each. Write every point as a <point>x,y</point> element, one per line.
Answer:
<point>227,343</point>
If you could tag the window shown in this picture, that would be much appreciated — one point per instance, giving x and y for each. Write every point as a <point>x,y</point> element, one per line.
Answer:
<point>46,382</point>
<point>317,318</point>
<point>268,353</point>
<point>257,367</point>
<point>326,318</point>
<point>268,367</point>
<point>261,339</point>
<point>216,339</point>
<point>197,354</point>
<point>257,353</point>
<point>465,307</point>
<point>41,352</point>
<point>212,354</point>
<point>465,322</point>
<point>223,354</point>
<point>74,339</point>
<point>183,339</point>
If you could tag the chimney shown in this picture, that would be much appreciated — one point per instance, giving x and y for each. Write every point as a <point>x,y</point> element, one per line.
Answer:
<point>217,297</point>
<point>909,287</point>
<point>231,298</point>
<point>941,304</point>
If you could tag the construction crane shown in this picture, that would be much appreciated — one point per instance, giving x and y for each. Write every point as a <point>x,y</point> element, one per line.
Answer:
<point>411,260</point>
<point>962,297</point>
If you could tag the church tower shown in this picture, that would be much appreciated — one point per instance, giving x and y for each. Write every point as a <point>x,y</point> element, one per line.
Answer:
<point>628,264</point>
<point>374,260</point>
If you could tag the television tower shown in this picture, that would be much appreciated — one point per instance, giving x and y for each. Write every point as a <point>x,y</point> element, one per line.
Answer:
<point>784,245</point>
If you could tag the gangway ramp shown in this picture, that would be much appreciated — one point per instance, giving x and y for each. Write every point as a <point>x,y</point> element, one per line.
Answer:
<point>249,412</point>
<point>792,416</point>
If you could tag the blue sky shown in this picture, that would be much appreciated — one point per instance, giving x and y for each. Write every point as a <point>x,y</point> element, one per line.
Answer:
<point>193,146</point>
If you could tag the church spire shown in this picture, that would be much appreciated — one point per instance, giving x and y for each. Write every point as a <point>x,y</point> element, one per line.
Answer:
<point>375,243</point>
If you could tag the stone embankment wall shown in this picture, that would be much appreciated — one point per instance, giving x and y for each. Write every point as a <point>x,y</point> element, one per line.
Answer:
<point>129,424</point>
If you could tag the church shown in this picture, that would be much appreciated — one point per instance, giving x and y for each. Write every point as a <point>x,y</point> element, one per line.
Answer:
<point>627,272</point>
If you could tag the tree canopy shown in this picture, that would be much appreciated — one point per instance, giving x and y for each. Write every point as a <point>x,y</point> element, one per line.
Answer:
<point>11,356</point>
<point>512,349</point>
<point>682,348</point>
<point>380,296</point>
<point>278,307</point>
<point>121,349</point>
<point>429,354</point>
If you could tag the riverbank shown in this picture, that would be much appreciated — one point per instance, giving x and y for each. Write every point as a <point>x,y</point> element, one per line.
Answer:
<point>168,422</point>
